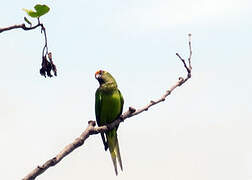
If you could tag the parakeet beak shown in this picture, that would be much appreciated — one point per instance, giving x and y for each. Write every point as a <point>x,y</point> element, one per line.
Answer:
<point>98,74</point>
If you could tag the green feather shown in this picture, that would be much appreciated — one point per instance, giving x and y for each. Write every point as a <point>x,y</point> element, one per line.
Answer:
<point>108,107</point>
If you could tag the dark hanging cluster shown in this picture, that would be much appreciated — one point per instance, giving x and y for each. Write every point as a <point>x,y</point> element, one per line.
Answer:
<point>48,66</point>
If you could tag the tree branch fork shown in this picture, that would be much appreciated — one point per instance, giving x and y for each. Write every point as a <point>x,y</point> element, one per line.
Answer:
<point>92,129</point>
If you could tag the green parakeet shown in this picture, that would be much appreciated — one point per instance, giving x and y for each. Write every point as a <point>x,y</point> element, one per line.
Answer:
<point>108,107</point>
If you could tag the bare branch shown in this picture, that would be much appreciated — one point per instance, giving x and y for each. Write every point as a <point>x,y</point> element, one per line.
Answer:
<point>92,129</point>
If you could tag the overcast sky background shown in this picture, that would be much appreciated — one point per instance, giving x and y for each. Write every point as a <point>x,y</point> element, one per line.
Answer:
<point>202,131</point>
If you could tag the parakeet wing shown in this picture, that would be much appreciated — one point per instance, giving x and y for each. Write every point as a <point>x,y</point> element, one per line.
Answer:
<point>122,101</point>
<point>98,105</point>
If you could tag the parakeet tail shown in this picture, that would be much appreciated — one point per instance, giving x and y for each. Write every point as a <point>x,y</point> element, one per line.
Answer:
<point>114,149</point>
<point>104,142</point>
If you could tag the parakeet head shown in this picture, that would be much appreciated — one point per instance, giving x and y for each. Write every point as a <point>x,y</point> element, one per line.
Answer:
<point>104,77</point>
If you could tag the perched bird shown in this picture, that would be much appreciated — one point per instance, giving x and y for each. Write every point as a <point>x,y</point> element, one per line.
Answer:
<point>108,107</point>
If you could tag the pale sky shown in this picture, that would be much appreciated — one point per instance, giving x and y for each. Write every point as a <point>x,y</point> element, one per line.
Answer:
<point>202,131</point>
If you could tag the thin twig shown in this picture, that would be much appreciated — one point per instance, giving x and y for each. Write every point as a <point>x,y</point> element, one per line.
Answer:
<point>92,129</point>
<point>22,26</point>
<point>19,26</point>
<point>190,49</point>
<point>43,30</point>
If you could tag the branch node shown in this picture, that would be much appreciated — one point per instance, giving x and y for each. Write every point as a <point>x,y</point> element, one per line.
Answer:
<point>92,123</point>
<point>132,110</point>
<point>54,161</point>
<point>152,102</point>
<point>23,26</point>
<point>121,118</point>
<point>181,80</point>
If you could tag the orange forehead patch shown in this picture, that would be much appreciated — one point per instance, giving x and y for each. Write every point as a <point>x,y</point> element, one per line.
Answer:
<point>97,72</point>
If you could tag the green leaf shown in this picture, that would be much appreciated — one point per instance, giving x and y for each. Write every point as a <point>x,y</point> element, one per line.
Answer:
<point>31,13</point>
<point>40,11</point>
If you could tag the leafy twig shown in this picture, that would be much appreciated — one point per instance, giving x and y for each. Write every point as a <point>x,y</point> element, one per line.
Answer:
<point>40,10</point>
<point>47,66</point>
